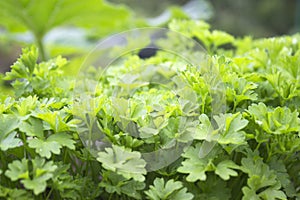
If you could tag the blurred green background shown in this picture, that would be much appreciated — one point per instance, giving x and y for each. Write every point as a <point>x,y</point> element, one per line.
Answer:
<point>77,24</point>
<point>259,18</point>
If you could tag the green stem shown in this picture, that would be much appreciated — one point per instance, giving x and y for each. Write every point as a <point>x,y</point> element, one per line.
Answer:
<point>236,157</point>
<point>235,104</point>
<point>258,145</point>
<point>3,161</point>
<point>90,126</point>
<point>269,152</point>
<point>110,196</point>
<point>49,194</point>
<point>65,155</point>
<point>40,44</point>
<point>238,185</point>
<point>4,167</point>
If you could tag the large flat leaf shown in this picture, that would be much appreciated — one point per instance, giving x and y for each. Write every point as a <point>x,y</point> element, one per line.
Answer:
<point>41,172</point>
<point>41,16</point>
<point>167,190</point>
<point>123,161</point>
<point>51,145</point>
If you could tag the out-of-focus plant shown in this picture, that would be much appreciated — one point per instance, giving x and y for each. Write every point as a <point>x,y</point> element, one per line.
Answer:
<point>40,17</point>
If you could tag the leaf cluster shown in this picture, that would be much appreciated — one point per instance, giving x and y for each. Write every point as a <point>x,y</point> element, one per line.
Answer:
<point>150,129</point>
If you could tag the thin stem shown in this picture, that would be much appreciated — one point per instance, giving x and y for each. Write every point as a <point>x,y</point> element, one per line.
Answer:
<point>258,145</point>
<point>110,196</point>
<point>49,194</point>
<point>4,168</point>
<point>238,184</point>
<point>234,106</point>
<point>65,155</point>
<point>40,44</point>
<point>89,148</point>
<point>269,152</point>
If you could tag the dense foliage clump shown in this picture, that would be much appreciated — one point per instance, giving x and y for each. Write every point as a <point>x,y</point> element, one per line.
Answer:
<point>234,134</point>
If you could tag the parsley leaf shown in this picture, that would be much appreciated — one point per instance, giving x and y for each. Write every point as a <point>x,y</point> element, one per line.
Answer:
<point>169,190</point>
<point>42,171</point>
<point>124,162</point>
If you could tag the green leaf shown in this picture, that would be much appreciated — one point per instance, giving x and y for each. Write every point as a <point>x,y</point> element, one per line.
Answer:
<point>169,190</point>
<point>239,90</point>
<point>44,148</point>
<point>63,140</point>
<point>25,65</point>
<point>8,139</point>
<point>42,16</point>
<point>6,104</point>
<point>52,144</point>
<point>211,189</point>
<point>32,127</point>
<point>43,79</point>
<point>225,169</point>
<point>8,123</point>
<point>262,181</point>
<point>284,87</point>
<point>124,162</point>
<point>179,128</point>
<point>280,120</point>
<point>146,132</point>
<point>201,31</point>
<point>11,194</point>
<point>219,38</point>
<point>54,120</point>
<point>114,183</point>
<point>195,166</point>
<point>205,129</point>
<point>231,130</point>
<point>181,26</point>
<point>17,170</point>
<point>283,176</point>
<point>268,194</point>
<point>26,105</point>
<point>42,171</point>
<point>65,182</point>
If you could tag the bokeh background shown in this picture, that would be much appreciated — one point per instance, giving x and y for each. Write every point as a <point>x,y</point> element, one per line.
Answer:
<point>258,18</point>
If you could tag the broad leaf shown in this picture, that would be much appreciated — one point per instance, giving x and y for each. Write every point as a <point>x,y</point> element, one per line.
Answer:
<point>225,169</point>
<point>261,178</point>
<point>275,121</point>
<point>8,139</point>
<point>32,127</point>
<point>42,16</point>
<point>167,191</point>
<point>41,172</point>
<point>231,132</point>
<point>124,162</point>
<point>114,183</point>
<point>195,166</point>
<point>53,144</point>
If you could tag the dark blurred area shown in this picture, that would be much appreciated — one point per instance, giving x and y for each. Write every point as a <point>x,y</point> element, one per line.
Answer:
<point>258,18</point>
<point>9,52</point>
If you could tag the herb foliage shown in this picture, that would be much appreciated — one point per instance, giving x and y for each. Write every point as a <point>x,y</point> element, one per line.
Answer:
<point>256,143</point>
